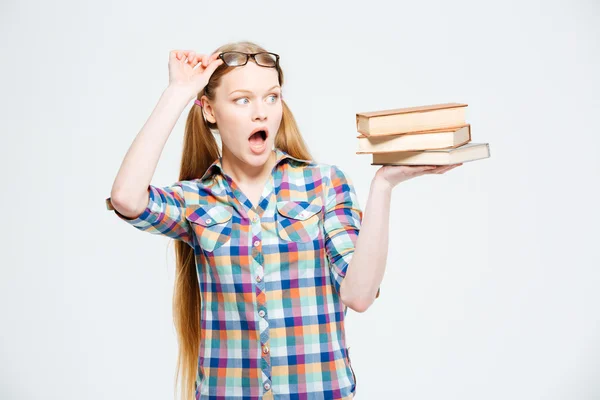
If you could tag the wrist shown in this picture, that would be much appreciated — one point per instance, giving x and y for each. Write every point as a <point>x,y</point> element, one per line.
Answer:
<point>380,184</point>
<point>174,90</point>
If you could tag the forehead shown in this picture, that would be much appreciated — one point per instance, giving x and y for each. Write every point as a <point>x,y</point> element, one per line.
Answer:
<point>249,77</point>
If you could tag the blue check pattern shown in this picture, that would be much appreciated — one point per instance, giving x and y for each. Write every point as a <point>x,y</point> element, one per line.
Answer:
<point>269,274</point>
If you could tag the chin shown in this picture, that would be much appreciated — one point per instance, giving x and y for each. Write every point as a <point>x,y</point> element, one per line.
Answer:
<point>262,156</point>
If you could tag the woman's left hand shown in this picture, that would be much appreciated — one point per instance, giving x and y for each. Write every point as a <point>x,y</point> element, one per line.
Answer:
<point>394,174</point>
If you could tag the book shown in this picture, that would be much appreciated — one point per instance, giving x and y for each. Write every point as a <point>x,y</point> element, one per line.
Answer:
<point>411,119</point>
<point>465,153</point>
<point>413,141</point>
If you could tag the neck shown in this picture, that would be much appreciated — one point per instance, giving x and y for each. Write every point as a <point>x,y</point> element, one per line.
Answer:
<point>243,173</point>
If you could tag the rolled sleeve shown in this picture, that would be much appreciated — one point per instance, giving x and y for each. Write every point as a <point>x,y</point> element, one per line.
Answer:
<point>164,213</point>
<point>342,223</point>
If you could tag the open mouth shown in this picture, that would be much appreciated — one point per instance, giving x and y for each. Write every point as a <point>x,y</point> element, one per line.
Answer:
<point>258,140</point>
<point>258,136</point>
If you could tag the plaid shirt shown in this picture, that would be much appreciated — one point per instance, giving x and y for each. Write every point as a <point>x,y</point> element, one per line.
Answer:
<point>272,322</point>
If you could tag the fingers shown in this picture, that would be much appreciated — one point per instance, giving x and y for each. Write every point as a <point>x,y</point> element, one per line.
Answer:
<point>188,56</point>
<point>440,170</point>
<point>197,60</point>
<point>417,169</point>
<point>453,166</point>
<point>214,56</point>
<point>211,58</point>
<point>192,58</point>
<point>178,55</point>
<point>214,64</point>
<point>444,168</point>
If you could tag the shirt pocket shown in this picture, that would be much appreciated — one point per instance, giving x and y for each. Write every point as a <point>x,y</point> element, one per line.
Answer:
<point>298,220</point>
<point>211,224</point>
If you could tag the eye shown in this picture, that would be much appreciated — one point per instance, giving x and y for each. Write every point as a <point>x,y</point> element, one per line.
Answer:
<point>241,98</point>
<point>275,96</point>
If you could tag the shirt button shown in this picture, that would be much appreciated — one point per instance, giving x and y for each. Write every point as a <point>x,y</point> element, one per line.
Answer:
<point>254,219</point>
<point>256,243</point>
<point>258,278</point>
<point>208,221</point>
<point>265,349</point>
<point>261,313</point>
<point>267,386</point>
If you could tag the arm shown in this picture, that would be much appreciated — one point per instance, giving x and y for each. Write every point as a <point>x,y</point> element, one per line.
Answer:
<point>130,190</point>
<point>360,287</point>
<point>160,210</point>
<point>367,266</point>
<point>130,193</point>
<point>342,224</point>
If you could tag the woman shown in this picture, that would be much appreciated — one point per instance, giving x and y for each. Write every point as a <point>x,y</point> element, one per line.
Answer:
<point>264,235</point>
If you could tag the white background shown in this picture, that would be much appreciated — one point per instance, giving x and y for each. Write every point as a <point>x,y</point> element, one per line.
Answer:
<point>490,290</point>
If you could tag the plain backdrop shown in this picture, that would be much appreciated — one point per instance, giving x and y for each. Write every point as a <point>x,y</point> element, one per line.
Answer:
<point>491,286</point>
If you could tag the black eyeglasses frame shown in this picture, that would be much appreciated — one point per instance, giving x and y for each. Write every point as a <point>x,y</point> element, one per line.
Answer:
<point>253,56</point>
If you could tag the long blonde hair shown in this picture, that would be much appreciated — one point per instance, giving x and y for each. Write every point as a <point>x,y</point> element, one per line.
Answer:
<point>200,150</point>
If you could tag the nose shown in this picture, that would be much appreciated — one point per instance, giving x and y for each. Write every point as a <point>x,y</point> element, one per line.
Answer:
<point>260,111</point>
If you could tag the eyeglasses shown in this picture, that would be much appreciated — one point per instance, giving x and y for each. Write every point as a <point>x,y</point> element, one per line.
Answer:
<point>238,59</point>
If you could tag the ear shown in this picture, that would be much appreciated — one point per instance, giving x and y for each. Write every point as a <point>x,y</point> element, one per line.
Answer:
<point>208,110</point>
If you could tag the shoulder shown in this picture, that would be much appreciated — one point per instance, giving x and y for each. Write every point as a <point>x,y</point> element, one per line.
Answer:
<point>188,186</point>
<point>332,178</point>
<point>200,192</point>
<point>326,170</point>
<point>335,175</point>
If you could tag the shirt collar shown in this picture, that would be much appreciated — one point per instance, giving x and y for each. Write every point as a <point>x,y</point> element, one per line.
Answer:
<point>216,166</point>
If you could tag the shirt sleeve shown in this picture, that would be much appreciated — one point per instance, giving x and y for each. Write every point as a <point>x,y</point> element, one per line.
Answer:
<point>343,217</point>
<point>164,213</point>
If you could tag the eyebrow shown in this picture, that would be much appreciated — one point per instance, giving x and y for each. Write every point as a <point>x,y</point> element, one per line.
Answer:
<point>248,91</point>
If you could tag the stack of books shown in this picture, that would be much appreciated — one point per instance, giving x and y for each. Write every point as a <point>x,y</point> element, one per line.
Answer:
<point>435,134</point>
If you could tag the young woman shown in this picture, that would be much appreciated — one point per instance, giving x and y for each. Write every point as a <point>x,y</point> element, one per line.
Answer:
<point>268,250</point>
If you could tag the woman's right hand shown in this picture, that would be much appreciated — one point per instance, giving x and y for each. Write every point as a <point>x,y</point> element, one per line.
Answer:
<point>190,70</point>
